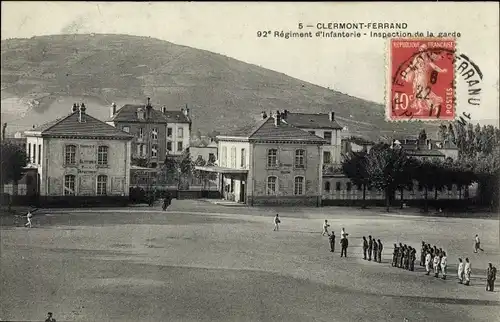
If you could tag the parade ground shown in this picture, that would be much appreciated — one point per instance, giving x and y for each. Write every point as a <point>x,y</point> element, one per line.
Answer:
<point>205,262</point>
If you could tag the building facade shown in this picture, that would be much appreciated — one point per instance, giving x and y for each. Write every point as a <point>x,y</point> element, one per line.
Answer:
<point>156,133</point>
<point>270,163</point>
<point>206,152</point>
<point>80,156</point>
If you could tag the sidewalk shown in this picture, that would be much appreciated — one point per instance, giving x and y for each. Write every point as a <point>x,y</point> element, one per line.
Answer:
<point>222,202</point>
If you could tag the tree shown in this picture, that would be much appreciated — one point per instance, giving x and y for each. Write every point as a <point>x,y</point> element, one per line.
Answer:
<point>140,162</point>
<point>13,160</point>
<point>386,168</point>
<point>354,167</point>
<point>443,132</point>
<point>170,169</point>
<point>451,133</point>
<point>199,162</point>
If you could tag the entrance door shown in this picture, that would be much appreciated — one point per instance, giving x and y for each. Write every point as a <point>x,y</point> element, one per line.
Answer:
<point>243,191</point>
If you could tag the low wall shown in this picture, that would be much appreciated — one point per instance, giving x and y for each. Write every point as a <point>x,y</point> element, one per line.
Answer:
<point>448,204</point>
<point>308,201</point>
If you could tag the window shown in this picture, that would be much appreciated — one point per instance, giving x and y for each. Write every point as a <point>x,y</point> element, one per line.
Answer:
<point>154,150</point>
<point>271,185</point>
<point>69,185</point>
<point>102,182</point>
<point>102,155</point>
<point>211,157</point>
<point>233,157</point>
<point>243,161</point>
<point>312,132</point>
<point>327,157</point>
<point>180,132</point>
<point>141,132</point>
<point>39,154</point>
<point>169,132</point>
<point>327,186</point>
<point>299,186</point>
<point>223,157</point>
<point>70,154</point>
<point>348,186</point>
<point>272,158</point>
<point>169,146</point>
<point>34,153</point>
<point>338,186</point>
<point>29,151</point>
<point>179,146</point>
<point>126,129</point>
<point>299,158</point>
<point>328,136</point>
<point>154,133</point>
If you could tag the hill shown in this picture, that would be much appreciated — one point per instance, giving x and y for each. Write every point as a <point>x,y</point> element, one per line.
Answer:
<point>41,77</point>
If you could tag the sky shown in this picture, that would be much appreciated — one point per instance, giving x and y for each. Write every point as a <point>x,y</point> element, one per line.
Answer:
<point>356,66</point>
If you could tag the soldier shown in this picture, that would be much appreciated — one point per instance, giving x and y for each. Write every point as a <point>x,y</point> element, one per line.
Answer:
<point>435,265</point>
<point>332,242</point>
<point>407,259</point>
<point>403,258</point>
<point>444,264</point>
<point>375,249</point>
<point>344,243</point>
<point>428,259</point>
<point>467,271</point>
<point>413,257</point>
<point>395,255</point>
<point>400,255</point>
<point>50,318</point>
<point>490,277</point>
<point>422,254</point>
<point>325,228</point>
<point>277,222</point>
<point>370,247</point>
<point>380,248</point>
<point>365,247</point>
<point>477,244</point>
<point>460,271</point>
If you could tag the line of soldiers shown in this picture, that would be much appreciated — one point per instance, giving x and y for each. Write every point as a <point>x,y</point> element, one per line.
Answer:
<point>404,256</point>
<point>433,259</point>
<point>372,247</point>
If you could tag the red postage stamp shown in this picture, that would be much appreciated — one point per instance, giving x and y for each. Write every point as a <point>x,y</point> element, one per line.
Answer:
<point>421,77</point>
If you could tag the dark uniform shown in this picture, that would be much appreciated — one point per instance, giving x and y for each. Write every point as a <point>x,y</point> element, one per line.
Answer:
<point>332,242</point>
<point>402,259</point>
<point>344,243</point>
<point>491,275</point>
<point>380,248</point>
<point>370,247</point>
<point>395,255</point>
<point>375,250</point>
<point>399,259</point>
<point>413,257</point>
<point>422,254</point>
<point>365,247</point>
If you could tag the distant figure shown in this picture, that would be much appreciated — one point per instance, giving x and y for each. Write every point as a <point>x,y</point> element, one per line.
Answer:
<point>413,257</point>
<point>325,228</point>
<point>380,248</point>
<point>460,271</point>
<point>477,244</point>
<point>332,242</point>
<point>444,265</point>
<point>375,250</point>
<point>344,243</point>
<point>50,318</point>
<point>467,271</point>
<point>277,222</point>
<point>491,275</point>
<point>28,218</point>
<point>422,254</point>
<point>395,255</point>
<point>428,263</point>
<point>343,234</point>
<point>166,202</point>
<point>370,247</point>
<point>365,247</point>
<point>435,265</point>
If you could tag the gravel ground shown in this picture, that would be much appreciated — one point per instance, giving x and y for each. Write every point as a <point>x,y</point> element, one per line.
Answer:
<point>205,262</point>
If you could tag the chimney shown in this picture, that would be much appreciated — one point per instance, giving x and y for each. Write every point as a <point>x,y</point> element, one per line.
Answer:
<point>277,119</point>
<point>74,108</point>
<point>186,111</point>
<point>163,109</point>
<point>332,116</point>
<point>149,102</point>
<point>149,107</point>
<point>264,115</point>
<point>112,111</point>
<point>81,116</point>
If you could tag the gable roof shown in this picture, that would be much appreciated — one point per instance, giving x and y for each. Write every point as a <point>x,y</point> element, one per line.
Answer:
<point>70,126</point>
<point>266,130</point>
<point>312,121</point>
<point>128,113</point>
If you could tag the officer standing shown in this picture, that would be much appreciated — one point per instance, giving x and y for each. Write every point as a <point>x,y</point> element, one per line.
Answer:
<point>332,242</point>
<point>344,243</point>
<point>413,257</point>
<point>395,255</point>
<point>422,254</point>
<point>370,247</point>
<point>380,248</point>
<point>365,247</point>
<point>490,277</point>
<point>375,250</point>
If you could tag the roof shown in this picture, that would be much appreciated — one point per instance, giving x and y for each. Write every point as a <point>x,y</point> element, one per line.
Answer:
<point>220,169</point>
<point>128,113</point>
<point>267,130</point>
<point>70,126</point>
<point>312,121</point>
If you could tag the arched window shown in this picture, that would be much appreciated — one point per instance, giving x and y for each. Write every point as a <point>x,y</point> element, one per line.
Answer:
<point>272,158</point>
<point>338,186</point>
<point>327,186</point>
<point>69,185</point>
<point>70,155</point>
<point>102,182</point>
<point>271,185</point>
<point>102,155</point>
<point>298,186</point>
<point>300,158</point>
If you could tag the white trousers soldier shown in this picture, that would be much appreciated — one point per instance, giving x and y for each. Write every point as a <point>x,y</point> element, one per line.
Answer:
<point>28,218</point>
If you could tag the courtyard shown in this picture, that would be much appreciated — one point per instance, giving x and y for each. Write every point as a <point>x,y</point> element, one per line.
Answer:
<point>204,262</point>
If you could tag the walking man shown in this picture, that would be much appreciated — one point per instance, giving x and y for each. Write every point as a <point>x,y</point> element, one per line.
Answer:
<point>370,247</point>
<point>467,271</point>
<point>395,255</point>
<point>444,265</point>
<point>490,277</point>
<point>325,228</point>
<point>28,218</point>
<point>460,271</point>
<point>344,243</point>
<point>277,223</point>
<point>428,263</point>
<point>332,242</point>
<point>365,247</point>
<point>422,254</point>
<point>380,248</point>
<point>375,250</point>
<point>477,244</point>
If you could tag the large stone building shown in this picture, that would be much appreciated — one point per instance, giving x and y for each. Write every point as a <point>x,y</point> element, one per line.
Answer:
<point>80,156</point>
<point>156,132</point>
<point>272,162</point>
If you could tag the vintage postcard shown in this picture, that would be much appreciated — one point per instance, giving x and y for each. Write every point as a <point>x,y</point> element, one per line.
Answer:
<point>249,161</point>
